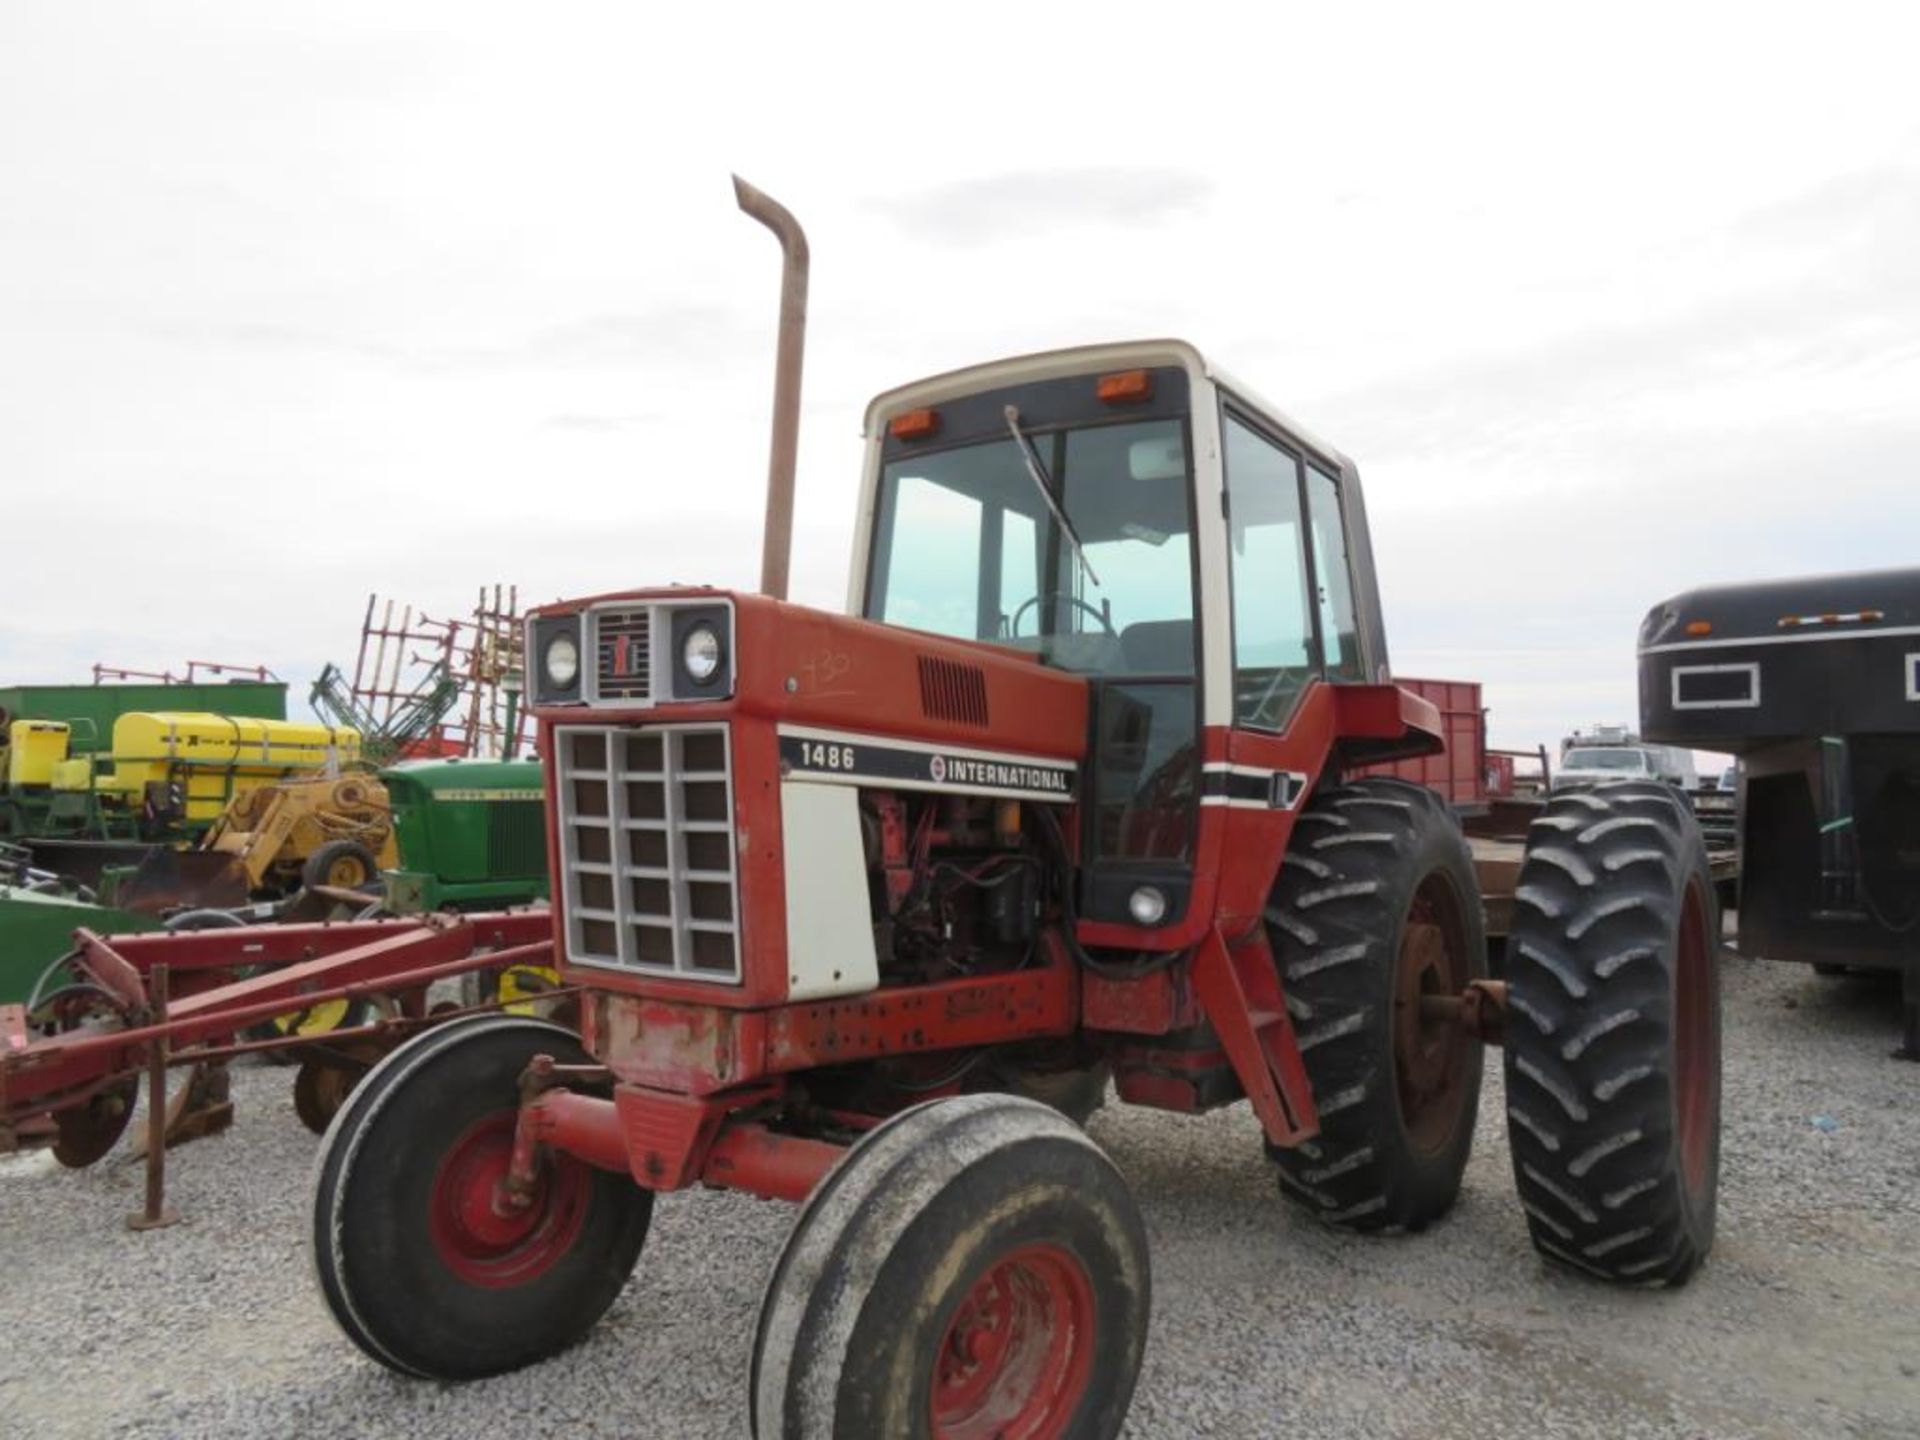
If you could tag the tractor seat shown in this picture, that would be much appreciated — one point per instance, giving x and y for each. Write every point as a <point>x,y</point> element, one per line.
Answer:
<point>1158,647</point>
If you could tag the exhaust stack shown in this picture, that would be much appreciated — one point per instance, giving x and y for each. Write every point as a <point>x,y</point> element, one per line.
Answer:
<point>776,546</point>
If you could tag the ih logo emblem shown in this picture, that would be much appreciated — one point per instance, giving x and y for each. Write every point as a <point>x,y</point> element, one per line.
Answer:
<point>623,657</point>
<point>937,767</point>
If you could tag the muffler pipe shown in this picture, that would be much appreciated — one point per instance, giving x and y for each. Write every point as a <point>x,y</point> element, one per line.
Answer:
<point>776,546</point>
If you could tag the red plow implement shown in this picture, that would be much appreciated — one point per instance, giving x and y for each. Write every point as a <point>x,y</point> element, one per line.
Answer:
<point>121,1008</point>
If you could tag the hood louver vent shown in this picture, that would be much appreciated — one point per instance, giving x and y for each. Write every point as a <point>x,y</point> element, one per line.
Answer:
<point>952,691</point>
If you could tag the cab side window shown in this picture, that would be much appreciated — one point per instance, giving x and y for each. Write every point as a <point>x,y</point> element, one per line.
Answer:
<point>1333,577</point>
<point>1273,656</point>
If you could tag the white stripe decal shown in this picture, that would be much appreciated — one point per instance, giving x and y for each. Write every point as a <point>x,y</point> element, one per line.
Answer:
<point>1780,639</point>
<point>894,742</point>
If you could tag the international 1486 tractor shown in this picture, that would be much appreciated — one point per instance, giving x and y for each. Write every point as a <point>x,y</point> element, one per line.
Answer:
<point>870,908</point>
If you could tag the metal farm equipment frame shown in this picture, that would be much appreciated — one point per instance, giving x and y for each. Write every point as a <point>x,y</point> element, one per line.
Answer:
<point>132,1007</point>
<point>425,687</point>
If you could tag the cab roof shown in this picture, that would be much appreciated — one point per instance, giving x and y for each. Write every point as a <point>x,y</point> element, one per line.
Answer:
<point>1080,360</point>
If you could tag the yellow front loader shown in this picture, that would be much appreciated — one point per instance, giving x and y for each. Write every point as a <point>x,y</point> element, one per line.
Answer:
<point>318,831</point>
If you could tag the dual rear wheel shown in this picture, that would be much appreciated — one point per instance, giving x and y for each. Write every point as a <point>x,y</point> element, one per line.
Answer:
<point>1612,1040</point>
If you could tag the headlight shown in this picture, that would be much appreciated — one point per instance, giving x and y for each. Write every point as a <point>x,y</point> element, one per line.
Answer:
<point>561,662</point>
<point>700,654</point>
<point>1147,905</point>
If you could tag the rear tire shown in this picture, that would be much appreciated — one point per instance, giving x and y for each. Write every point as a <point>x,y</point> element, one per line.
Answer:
<point>1613,1035</point>
<point>413,1265</point>
<point>973,1267</point>
<point>1375,906</point>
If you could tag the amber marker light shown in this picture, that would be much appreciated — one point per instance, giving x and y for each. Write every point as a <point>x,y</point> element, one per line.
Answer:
<point>914,424</point>
<point>1128,387</point>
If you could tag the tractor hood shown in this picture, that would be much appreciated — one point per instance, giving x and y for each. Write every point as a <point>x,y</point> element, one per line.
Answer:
<point>800,667</point>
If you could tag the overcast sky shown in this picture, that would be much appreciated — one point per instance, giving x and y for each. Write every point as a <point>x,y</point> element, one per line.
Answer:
<point>299,302</point>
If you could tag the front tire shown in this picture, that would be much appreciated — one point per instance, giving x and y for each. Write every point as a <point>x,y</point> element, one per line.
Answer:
<point>973,1267</point>
<point>1375,910</point>
<point>1613,1035</point>
<point>342,864</point>
<point>1077,1093</point>
<point>414,1262</point>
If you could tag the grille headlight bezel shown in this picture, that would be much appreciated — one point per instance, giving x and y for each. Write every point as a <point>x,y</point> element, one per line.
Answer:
<point>634,654</point>
<point>543,632</point>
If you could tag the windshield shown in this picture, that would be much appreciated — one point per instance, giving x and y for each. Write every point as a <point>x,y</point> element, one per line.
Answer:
<point>966,545</point>
<point>1634,760</point>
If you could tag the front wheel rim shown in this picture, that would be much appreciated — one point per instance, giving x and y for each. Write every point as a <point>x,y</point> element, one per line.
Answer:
<point>347,872</point>
<point>485,1242</point>
<point>1017,1356</point>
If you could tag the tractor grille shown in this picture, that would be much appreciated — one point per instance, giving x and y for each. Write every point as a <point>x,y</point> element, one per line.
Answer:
<point>646,829</point>
<point>623,654</point>
<point>516,839</point>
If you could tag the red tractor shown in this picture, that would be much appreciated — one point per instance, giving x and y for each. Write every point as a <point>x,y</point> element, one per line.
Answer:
<point>870,908</point>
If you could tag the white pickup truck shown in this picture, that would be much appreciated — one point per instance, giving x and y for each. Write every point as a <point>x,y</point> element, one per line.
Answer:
<point>1587,764</point>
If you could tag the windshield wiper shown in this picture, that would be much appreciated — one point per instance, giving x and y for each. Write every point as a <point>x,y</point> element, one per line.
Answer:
<point>1037,470</point>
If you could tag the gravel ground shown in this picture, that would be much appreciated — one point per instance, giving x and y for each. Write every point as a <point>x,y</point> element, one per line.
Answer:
<point>1804,1322</point>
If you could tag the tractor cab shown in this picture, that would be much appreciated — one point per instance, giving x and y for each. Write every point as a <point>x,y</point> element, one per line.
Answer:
<point>1054,504</point>
<point>1127,514</point>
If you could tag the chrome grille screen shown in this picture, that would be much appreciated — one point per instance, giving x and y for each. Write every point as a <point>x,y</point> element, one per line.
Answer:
<point>622,654</point>
<point>646,832</point>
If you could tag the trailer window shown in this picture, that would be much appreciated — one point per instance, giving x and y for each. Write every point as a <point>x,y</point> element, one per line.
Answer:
<point>1272,625</point>
<point>1339,633</point>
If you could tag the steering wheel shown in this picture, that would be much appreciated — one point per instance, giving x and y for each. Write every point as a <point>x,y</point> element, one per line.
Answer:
<point>1013,625</point>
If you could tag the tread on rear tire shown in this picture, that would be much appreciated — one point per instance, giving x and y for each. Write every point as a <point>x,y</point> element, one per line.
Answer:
<point>1613,1035</point>
<point>1368,860</point>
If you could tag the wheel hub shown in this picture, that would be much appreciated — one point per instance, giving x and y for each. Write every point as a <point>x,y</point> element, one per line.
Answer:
<point>1696,1058</point>
<point>490,1244</point>
<point>1018,1352</point>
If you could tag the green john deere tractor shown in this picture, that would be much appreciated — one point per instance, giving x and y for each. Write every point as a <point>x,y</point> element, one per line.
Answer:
<point>472,834</point>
